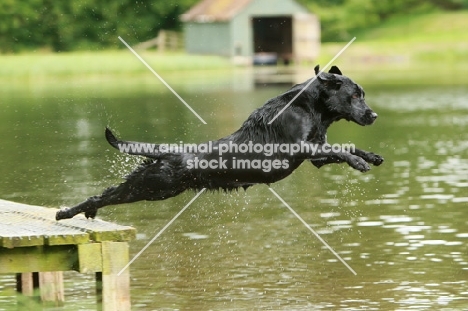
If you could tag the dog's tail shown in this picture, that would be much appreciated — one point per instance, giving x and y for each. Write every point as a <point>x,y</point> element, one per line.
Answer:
<point>111,139</point>
<point>133,148</point>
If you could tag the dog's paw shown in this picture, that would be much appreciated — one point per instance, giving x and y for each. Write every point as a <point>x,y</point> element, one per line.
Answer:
<point>358,163</point>
<point>62,214</point>
<point>376,159</point>
<point>372,158</point>
<point>91,213</point>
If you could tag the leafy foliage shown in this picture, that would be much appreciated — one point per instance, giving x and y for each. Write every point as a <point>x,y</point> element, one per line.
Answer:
<point>84,24</point>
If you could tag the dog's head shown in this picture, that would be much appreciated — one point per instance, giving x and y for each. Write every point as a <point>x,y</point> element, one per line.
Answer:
<point>344,98</point>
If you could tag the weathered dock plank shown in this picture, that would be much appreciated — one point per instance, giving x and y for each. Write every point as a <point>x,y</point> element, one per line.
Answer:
<point>29,225</point>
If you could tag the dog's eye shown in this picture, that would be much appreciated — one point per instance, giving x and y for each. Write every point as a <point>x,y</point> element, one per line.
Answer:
<point>356,96</point>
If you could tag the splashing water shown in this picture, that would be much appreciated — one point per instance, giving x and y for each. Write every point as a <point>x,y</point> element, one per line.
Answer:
<point>122,164</point>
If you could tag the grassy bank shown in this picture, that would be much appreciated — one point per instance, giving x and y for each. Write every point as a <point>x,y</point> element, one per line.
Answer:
<point>103,62</point>
<point>429,48</point>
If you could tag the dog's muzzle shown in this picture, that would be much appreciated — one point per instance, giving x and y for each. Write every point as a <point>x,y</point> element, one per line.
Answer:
<point>370,117</point>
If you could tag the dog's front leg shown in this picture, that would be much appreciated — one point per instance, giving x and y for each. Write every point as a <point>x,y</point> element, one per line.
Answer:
<point>320,155</point>
<point>354,161</point>
<point>370,157</point>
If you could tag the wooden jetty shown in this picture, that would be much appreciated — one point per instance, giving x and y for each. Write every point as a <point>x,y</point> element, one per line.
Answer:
<point>37,248</point>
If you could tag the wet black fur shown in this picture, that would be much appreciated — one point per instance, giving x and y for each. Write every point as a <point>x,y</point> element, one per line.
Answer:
<point>329,98</point>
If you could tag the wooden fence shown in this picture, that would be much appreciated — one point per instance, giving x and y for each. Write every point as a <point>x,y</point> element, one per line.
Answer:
<point>166,40</point>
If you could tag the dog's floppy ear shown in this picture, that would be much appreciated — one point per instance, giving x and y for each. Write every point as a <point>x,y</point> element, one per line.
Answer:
<point>320,77</point>
<point>317,69</point>
<point>335,70</point>
<point>329,80</point>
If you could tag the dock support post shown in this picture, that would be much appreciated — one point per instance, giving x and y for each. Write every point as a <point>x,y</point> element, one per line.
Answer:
<point>113,289</point>
<point>27,285</point>
<point>51,287</point>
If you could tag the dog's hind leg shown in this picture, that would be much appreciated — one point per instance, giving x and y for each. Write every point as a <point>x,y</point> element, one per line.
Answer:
<point>111,196</point>
<point>152,181</point>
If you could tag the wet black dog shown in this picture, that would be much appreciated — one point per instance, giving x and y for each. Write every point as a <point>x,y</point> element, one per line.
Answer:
<point>242,159</point>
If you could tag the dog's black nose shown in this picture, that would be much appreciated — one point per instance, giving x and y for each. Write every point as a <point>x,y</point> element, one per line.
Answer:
<point>374,115</point>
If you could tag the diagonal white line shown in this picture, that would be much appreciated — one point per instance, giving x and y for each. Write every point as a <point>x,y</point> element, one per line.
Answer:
<point>313,231</point>
<point>162,80</point>
<point>161,231</point>
<point>312,80</point>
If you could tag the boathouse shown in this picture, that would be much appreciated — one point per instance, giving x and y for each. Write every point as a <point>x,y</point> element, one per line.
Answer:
<point>252,29</point>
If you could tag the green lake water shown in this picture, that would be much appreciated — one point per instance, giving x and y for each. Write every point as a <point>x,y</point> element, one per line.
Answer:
<point>403,226</point>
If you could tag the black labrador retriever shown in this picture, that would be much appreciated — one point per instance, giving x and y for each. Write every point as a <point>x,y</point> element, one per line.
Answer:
<point>242,159</point>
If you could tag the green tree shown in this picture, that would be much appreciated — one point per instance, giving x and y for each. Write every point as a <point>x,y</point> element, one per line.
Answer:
<point>84,24</point>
